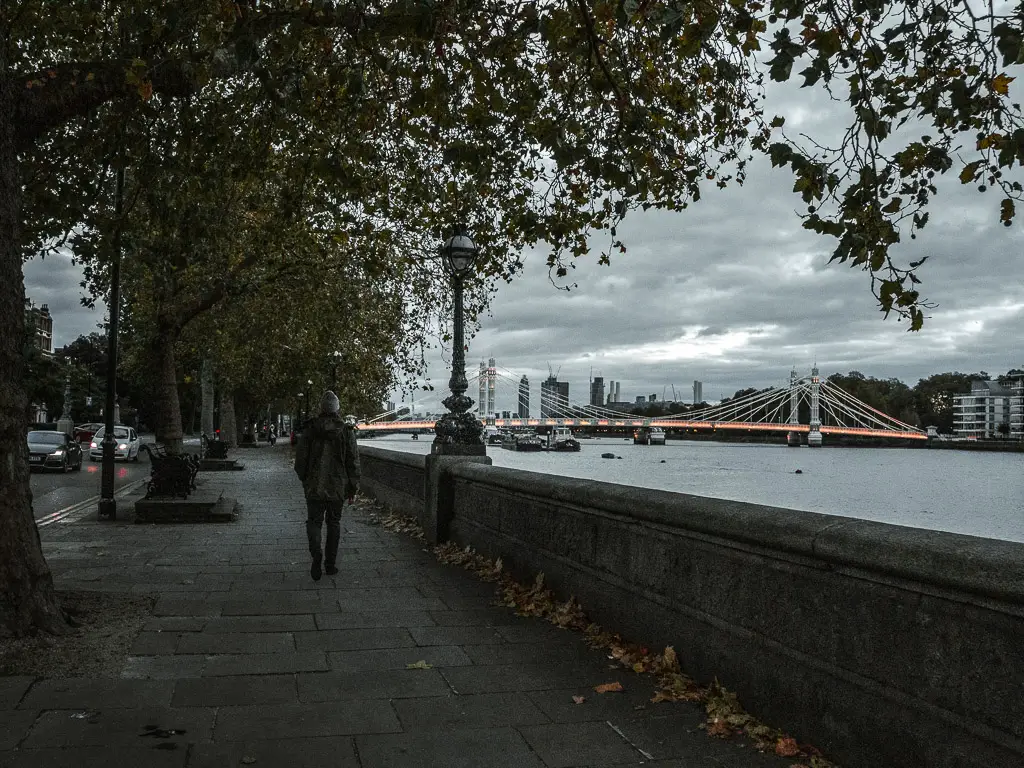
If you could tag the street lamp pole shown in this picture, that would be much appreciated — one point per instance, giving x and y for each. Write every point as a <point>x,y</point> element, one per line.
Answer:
<point>107,505</point>
<point>459,432</point>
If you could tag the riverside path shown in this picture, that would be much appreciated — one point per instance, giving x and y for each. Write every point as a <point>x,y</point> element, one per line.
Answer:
<point>247,661</point>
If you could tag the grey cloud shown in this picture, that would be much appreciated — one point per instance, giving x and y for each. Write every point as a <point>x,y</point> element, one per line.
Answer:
<point>56,282</point>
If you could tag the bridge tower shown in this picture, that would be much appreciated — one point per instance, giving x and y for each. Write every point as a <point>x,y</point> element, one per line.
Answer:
<point>793,436</point>
<point>492,378</point>
<point>814,436</point>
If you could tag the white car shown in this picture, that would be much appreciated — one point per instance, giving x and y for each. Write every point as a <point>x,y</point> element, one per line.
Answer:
<point>127,444</point>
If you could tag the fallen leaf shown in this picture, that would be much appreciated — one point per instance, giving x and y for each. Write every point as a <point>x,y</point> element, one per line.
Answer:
<point>579,699</point>
<point>419,665</point>
<point>787,747</point>
<point>608,687</point>
<point>248,760</point>
<point>719,729</point>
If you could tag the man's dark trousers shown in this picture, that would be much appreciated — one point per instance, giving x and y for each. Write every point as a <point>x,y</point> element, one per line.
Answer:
<point>314,526</point>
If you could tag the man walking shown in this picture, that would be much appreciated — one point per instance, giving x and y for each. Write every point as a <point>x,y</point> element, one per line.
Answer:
<point>327,463</point>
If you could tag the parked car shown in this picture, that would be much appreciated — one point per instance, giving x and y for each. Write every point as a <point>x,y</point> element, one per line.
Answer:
<point>126,446</point>
<point>83,432</point>
<point>50,449</point>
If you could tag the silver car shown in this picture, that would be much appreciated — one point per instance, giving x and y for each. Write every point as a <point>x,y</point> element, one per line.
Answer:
<point>126,444</point>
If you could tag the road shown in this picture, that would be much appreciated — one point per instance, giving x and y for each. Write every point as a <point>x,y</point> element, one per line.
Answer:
<point>53,491</point>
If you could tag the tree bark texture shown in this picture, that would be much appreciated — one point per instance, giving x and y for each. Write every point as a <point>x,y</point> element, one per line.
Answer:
<point>228,427</point>
<point>206,387</point>
<point>28,602</point>
<point>166,405</point>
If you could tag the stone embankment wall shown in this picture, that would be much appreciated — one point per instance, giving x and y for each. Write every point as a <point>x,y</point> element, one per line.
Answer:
<point>880,644</point>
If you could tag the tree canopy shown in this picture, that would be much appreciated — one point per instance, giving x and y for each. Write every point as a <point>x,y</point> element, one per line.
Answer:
<point>547,122</point>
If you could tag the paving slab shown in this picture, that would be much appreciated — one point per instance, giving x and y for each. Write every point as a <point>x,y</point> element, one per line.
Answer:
<point>335,718</point>
<point>483,710</point>
<point>349,619</point>
<point>12,689</point>
<point>565,745</point>
<point>462,748</point>
<point>397,658</point>
<point>235,690</point>
<point>237,642</point>
<point>98,693</point>
<point>354,639</point>
<point>378,684</point>
<point>324,752</point>
<point>14,726</point>
<point>144,726</point>
<point>154,756</point>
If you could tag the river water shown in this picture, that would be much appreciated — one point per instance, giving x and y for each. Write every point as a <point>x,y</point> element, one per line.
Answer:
<point>972,492</point>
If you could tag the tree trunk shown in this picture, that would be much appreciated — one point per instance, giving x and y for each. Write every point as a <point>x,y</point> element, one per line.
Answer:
<point>206,384</point>
<point>166,407</point>
<point>27,600</point>
<point>228,428</point>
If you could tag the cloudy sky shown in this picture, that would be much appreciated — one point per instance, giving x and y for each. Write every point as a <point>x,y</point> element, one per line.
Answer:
<point>731,292</point>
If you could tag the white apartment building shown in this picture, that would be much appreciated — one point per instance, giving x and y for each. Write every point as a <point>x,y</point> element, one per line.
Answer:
<point>1017,410</point>
<point>984,409</point>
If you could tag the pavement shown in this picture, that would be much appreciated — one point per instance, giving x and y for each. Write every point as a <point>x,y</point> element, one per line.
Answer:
<point>247,661</point>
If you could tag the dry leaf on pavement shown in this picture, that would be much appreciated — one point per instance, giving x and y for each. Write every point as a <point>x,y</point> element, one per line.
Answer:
<point>419,665</point>
<point>608,687</point>
<point>787,747</point>
<point>579,699</point>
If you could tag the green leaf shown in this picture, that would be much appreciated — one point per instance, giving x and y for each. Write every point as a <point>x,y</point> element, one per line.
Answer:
<point>780,154</point>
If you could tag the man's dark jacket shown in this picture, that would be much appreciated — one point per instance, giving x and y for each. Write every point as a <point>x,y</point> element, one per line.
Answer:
<point>327,460</point>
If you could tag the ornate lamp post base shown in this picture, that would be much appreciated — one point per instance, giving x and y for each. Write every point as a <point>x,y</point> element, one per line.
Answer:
<point>459,433</point>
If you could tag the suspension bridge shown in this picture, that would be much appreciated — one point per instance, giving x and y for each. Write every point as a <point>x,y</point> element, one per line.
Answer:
<point>828,409</point>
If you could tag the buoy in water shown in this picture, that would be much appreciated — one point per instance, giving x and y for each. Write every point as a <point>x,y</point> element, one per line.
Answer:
<point>798,472</point>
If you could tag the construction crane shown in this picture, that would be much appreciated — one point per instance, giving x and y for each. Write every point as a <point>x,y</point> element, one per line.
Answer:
<point>675,398</point>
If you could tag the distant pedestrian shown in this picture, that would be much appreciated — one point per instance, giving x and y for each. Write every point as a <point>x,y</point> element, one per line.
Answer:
<point>327,463</point>
<point>272,435</point>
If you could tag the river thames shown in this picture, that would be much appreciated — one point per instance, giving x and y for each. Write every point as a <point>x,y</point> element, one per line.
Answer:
<point>977,493</point>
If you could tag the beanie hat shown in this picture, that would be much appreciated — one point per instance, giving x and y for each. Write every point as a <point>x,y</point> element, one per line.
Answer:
<point>329,403</point>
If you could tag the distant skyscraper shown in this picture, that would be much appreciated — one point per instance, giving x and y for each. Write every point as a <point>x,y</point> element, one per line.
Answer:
<point>524,398</point>
<point>597,391</point>
<point>481,401</point>
<point>698,392</point>
<point>653,398</point>
<point>640,399</point>
<point>554,398</point>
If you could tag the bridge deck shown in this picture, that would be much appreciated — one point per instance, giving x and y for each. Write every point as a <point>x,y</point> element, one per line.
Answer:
<point>671,423</point>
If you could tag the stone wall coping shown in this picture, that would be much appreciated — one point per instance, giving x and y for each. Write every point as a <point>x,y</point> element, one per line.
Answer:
<point>988,567</point>
<point>414,460</point>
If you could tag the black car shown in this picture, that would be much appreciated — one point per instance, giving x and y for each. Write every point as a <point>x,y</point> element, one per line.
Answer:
<point>49,449</point>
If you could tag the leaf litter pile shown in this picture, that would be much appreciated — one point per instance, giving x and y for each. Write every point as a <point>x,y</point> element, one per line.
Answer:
<point>726,718</point>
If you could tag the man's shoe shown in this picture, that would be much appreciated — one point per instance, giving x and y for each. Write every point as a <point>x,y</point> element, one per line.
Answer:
<point>314,570</point>
<point>331,570</point>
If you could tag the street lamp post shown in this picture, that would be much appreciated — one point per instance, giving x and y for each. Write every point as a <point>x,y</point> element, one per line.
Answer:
<point>335,360</point>
<point>107,505</point>
<point>459,432</point>
<point>65,423</point>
